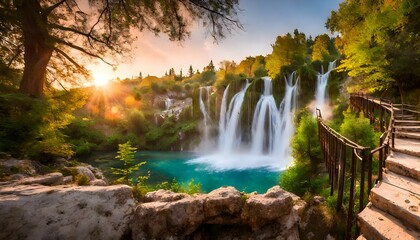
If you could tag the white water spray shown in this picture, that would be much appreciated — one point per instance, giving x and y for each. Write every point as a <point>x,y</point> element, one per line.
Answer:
<point>272,128</point>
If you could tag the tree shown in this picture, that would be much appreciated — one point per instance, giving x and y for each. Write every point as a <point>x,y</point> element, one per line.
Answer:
<point>227,67</point>
<point>245,66</point>
<point>320,48</point>
<point>380,42</point>
<point>126,155</point>
<point>47,36</point>
<point>288,50</point>
<point>190,71</point>
<point>210,67</point>
<point>305,143</point>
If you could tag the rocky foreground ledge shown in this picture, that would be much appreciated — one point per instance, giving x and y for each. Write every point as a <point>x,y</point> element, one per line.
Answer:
<point>35,211</point>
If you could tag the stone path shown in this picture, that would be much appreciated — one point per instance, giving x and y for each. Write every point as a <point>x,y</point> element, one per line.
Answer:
<point>393,211</point>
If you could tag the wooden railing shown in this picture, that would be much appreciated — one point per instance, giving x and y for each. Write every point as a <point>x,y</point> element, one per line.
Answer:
<point>340,153</point>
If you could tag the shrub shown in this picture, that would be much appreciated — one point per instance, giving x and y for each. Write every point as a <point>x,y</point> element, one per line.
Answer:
<point>359,130</point>
<point>296,179</point>
<point>126,155</point>
<point>81,180</point>
<point>305,143</point>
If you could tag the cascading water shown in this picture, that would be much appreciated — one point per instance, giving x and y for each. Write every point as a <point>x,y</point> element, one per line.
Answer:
<point>168,103</point>
<point>321,86</point>
<point>285,129</point>
<point>272,128</point>
<point>204,108</point>
<point>230,135</point>
<point>265,121</point>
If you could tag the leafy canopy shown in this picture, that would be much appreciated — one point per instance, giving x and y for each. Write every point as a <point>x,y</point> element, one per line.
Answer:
<point>48,37</point>
<point>380,41</point>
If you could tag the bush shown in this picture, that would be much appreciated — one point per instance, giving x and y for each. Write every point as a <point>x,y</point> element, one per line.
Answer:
<point>126,155</point>
<point>174,186</point>
<point>359,130</point>
<point>296,179</point>
<point>305,143</point>
<point>81,180</point>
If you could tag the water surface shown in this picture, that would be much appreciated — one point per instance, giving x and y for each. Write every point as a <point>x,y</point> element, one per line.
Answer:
<point>165,166</point>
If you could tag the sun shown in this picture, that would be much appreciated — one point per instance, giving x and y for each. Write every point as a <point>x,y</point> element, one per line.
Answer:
<point>100,79</point>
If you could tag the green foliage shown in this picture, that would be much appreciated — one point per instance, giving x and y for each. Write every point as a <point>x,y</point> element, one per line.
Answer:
<point>305,143</point>
<point>296,178</point>
<point>288,51</point>
<point>302,177</point>
<point>35,127</point>
<point>380,42</point>
<point>359,130</point>
<point>126,155</point>
<point>81,180</point>
<point>174,186</point>
<point>83,136</point>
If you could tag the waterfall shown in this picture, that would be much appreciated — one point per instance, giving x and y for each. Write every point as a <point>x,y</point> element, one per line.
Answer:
<point>168,103</point>
<point>230,136</point>
<point>271,130</point>
<point>204,108</point>
<point>222,118</point>
<point>265,120</point>
<point>285,128</point>
<point>321,86</point>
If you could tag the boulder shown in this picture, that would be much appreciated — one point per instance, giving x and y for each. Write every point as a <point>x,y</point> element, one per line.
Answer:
<point>85,171</point>
<point>167,220</point>
<point>164,196</point>
<point>50,179</point>
<point>223,206</point>
<point>262,209</point>
<point>98,182</point>
<point>220,214</point>
<point>12,166</point>
<point>65,212</point>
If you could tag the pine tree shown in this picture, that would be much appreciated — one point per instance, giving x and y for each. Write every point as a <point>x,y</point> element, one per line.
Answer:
<point>190,71</point>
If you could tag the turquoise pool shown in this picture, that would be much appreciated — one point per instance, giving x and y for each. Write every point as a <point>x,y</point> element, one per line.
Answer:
<point>164,166</point>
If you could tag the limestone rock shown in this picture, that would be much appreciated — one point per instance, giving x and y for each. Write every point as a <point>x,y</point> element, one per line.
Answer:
<point>223,206</point>
<point>221,214</point>
<point>65,212</point>
<point>261,209</point>
<point>13,166</point>
<point>85,171</point>
<point>164,196</point>
<point>67,179</point>
<point>98,182</point>
<point>50,179</point>
<point>166,220</point>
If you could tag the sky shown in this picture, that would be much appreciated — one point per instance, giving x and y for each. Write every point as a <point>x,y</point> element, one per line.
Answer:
<point>263,21</point>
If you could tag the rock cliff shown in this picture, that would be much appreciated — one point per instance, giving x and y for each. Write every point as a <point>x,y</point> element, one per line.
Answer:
<point>31,210</point>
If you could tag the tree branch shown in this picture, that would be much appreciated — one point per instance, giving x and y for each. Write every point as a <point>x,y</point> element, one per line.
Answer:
<point>236,22</point>
<point>18,52</point>
<point>89,36</point>
<point>65,55</point>
<point>47,11</point>
<point>80,49</point>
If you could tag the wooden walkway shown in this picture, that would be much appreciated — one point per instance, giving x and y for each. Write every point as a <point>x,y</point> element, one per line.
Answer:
<point>393,210</point>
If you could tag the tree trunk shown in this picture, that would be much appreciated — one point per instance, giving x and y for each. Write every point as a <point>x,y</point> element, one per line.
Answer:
<point>38,50</point>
